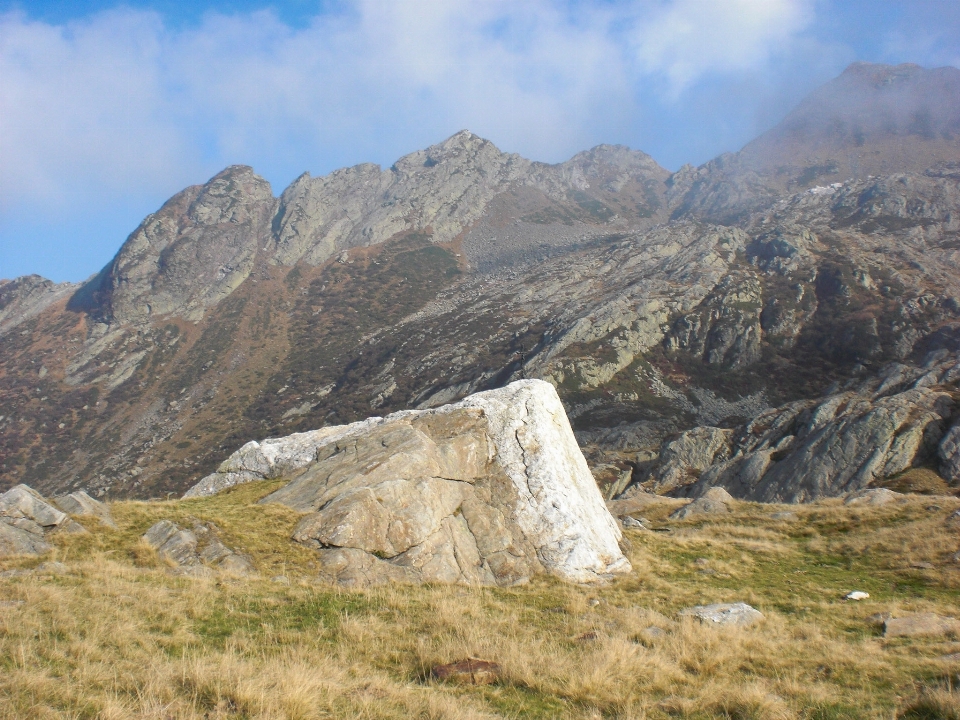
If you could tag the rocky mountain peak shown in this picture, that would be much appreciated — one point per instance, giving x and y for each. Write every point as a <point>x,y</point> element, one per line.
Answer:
<point>191,253</point>
<point>230,196</point>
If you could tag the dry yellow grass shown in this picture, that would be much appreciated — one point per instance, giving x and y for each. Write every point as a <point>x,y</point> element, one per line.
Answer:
<point>118,636</point>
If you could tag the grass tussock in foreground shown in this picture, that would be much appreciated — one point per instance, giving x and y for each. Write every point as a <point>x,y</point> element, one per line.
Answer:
<point>118,636</point>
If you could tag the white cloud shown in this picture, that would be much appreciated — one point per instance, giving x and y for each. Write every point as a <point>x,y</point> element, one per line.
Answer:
<point>120,103</point>
<point>686,39</point>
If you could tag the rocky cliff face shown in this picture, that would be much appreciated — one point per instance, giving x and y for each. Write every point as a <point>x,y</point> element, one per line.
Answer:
<point>231,314</point>
<point>902,419</point>
<point>28,296</point>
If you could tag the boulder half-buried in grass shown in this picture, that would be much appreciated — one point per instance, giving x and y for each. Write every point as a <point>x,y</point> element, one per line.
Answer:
<point>490,490</point>
<point>739,614</point>
<point>195,551</point>
<point>79,503</point>
<point>714,501</point>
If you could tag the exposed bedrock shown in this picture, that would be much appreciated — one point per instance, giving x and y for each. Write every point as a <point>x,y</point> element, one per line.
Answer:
<point>490,490</point>
<point>26,519</point>
<point>904,418</point>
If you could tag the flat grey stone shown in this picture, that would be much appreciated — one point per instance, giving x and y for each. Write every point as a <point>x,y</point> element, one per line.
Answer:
<point>736,614</point>
<point>873,497</point>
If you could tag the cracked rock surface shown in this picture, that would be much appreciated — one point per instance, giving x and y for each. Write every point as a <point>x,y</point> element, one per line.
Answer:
<point>490,490</point>
<point>842,443</point>
<point>195,551</point>
<point>26,518</point>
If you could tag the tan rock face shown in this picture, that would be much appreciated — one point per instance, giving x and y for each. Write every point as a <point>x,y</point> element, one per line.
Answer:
<point>491,490</point>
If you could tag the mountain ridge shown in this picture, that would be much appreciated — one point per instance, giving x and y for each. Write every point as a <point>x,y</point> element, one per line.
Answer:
<point>654,302</point>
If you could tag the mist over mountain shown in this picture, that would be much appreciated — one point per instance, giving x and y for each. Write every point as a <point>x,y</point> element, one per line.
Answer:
<point>808,280</point>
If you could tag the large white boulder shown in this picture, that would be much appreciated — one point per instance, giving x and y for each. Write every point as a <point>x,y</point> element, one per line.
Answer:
<point>490,490</point>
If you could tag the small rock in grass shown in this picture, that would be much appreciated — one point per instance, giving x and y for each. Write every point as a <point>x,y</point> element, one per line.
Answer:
<point>952,657</point>
<point>471,671</point>
<point>10,603</point>
<point>52,568</point>
<point>715,501</point>
<point>922,565</point>
<point>738,614</point>
<point>919,625</point>
<point>784,516</point>
<point>631,523</point>
<point>873,496</point>
<point>856,595</point>
<point>593,602</point>
<point>878,619</point>
<point>192,551</point>
<point>282,579</point>
<point>652,633</point>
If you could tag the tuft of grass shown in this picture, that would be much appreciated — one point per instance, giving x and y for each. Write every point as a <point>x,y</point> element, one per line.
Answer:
<point>119,636</point>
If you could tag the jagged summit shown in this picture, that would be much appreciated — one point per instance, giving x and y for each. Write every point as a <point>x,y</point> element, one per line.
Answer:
<point>206,240</point>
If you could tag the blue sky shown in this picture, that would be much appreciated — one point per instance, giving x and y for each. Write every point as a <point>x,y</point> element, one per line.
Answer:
<point>108,109</point>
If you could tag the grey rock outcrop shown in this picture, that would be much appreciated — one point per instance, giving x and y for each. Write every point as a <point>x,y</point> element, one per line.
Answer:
<point>17,541</point>
<point>737,614</point>
<point>833,446</point>
<point>683,460</point>
<point>491,490</point>
<point>26,519</point>
<point>725,328</point>
<point>79,503</point>
<point>195,551</point>
<point>949,454</point>
<point>921,625</point>
<point>26,297</point>
<point>873,497</point>
<point>271,458</point>
<point>715,501</point>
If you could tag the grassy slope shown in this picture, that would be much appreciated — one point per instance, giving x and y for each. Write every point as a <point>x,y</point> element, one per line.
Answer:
<point>118,636</point>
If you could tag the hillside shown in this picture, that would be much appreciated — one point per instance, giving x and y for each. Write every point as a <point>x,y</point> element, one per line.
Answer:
<point>107,628</point>
<point>656,303</point>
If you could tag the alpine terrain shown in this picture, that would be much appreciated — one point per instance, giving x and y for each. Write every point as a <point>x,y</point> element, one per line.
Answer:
<point>782,322</point>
